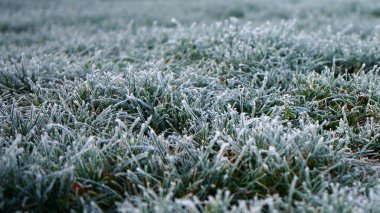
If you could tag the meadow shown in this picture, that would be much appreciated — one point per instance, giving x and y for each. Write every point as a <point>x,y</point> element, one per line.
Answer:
<point>189,106</point>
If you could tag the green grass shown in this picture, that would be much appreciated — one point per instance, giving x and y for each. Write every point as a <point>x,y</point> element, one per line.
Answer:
<point>204,106</point>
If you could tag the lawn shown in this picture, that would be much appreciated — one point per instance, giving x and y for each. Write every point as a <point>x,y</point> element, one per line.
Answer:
<point>190,106</point>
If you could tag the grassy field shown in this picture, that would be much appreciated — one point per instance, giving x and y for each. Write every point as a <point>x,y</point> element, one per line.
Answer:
<point>190,106</point>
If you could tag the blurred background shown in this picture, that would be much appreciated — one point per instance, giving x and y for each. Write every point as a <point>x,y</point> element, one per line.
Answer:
<point>34,15</point>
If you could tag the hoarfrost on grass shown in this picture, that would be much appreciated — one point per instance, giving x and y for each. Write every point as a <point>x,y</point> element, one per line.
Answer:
<point>240,106</point>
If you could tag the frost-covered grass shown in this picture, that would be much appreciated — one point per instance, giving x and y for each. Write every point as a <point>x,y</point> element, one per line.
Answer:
<point>233,106</point>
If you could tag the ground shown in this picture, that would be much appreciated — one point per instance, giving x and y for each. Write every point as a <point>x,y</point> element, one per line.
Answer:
<point>189,106</point>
